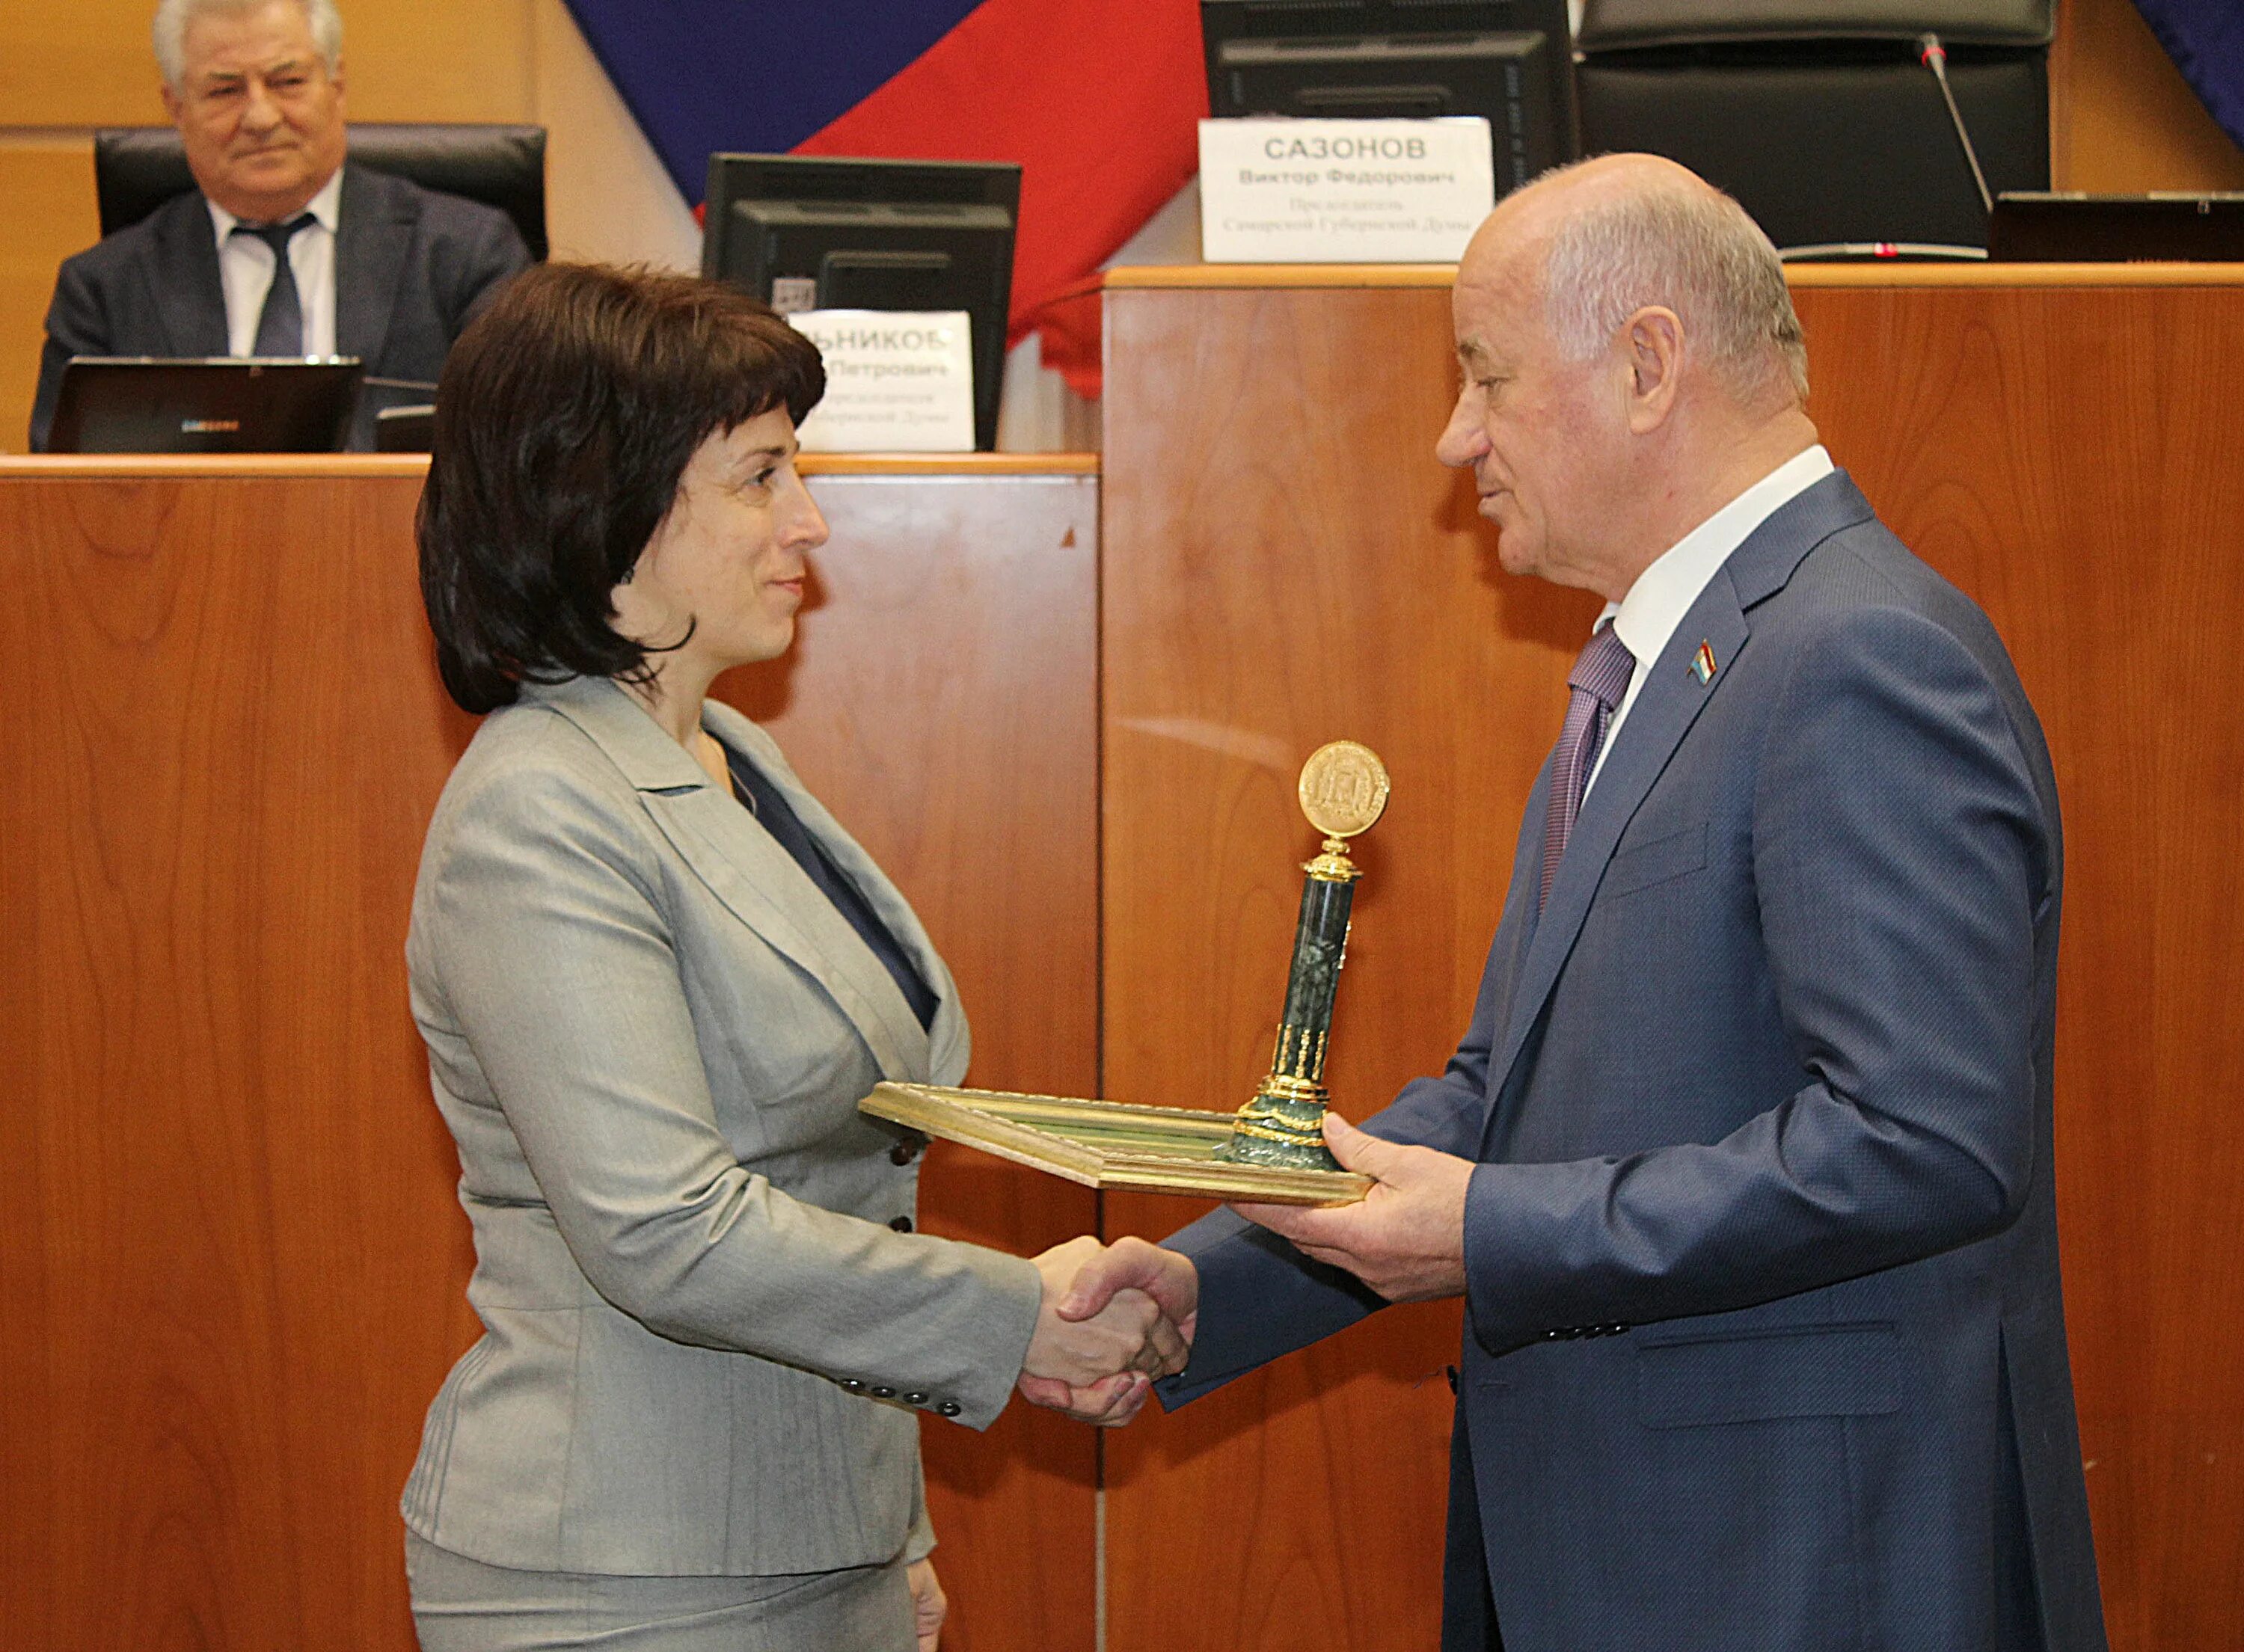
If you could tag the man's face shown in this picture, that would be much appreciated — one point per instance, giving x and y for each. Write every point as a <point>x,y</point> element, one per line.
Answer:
<point>261,118</point>
<point>1538,432</point>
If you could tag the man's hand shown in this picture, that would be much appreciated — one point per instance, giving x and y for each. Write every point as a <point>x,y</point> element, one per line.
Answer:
<point>1096,1283</point>
<point>1407,1239</point>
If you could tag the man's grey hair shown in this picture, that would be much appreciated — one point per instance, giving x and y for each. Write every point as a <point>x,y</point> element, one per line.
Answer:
<point>1698,254</point>
<point>173,18</point>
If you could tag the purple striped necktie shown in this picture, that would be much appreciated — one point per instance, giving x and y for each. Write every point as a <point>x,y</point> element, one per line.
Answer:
<point>1599,679</point>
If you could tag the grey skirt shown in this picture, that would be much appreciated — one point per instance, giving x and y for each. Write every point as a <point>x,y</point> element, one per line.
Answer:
<point>461,1605</point>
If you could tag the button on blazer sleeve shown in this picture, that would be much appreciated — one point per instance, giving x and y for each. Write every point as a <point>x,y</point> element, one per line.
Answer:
<point>542,946</point>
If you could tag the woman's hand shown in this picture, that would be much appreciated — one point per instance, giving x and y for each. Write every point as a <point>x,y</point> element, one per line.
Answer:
<point>1097,1348</point>
<point>929,1603</point>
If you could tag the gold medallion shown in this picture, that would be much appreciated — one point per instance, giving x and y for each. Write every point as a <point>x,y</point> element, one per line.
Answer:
<point>1343,788</point>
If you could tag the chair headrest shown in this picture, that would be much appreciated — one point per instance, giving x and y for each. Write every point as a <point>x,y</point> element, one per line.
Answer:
<point>137,169</point>
<point>1612,25</point>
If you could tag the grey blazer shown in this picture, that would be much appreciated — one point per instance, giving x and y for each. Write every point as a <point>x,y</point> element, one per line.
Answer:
<point>705,1346</point>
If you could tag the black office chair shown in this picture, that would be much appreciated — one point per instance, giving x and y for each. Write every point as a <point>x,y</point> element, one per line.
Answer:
<point>1818,115</point>
<point>137,169</point>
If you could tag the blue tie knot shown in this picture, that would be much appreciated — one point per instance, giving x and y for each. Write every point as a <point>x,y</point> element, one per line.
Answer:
<point>276,236</point>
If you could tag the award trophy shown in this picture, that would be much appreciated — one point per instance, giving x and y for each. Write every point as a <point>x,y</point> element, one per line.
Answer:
<point>1272,1151</point>
<point>1343,791</point>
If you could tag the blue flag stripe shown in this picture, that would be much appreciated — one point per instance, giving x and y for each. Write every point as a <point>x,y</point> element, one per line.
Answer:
<point>2206,40</point>
<point>705,74</point>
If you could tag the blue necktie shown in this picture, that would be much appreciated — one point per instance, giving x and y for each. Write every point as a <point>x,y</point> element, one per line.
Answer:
<point>280,323</point>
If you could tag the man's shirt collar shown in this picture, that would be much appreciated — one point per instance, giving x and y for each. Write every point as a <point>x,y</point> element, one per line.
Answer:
<point>326,209</point>
<point>1663,593</point>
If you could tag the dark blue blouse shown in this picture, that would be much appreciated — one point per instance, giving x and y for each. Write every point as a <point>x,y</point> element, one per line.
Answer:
<point>770,807</point>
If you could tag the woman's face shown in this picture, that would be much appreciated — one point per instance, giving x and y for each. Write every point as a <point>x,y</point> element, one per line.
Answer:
<point>729,556</point>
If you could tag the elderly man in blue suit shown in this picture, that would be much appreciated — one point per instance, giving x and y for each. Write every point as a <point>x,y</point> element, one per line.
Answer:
<point>1743,1168</point>
<point>282,248</point>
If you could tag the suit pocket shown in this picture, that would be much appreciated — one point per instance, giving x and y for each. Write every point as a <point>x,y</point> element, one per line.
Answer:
<point>1641,865</point>
<point>1817,1371</point>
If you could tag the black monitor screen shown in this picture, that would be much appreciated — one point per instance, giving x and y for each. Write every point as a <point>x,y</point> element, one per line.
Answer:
<point>222,404</point>
<point>1510,61</point>
<point>806,232</point>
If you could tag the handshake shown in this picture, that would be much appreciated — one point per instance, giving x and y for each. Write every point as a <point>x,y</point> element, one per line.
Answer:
<point>1115,1317</point>
<point>1112,1319</point>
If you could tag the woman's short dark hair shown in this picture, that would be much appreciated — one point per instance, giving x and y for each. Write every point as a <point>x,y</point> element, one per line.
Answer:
<point>565,418</point>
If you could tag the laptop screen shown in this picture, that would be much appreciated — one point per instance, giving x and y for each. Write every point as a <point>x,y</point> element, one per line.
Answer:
<point>224,404</point>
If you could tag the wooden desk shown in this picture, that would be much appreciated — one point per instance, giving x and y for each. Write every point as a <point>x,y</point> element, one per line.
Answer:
<point>231,1263</point>
<point>1286,564</point>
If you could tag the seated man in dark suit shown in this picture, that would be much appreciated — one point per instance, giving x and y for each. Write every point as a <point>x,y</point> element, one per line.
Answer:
<point>284,249</point>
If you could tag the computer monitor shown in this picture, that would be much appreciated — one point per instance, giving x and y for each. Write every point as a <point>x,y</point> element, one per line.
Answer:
<point>1509,60</point>
<point>805,232</point>
<point>2068,227</point>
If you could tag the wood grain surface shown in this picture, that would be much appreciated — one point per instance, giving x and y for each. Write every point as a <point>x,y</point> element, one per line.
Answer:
<point>1286,564</point>
<point>89,63</point>
<point>47,181</point>
<point>231,1261</point>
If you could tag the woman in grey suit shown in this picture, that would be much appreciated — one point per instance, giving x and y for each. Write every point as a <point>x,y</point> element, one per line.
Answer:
<point>655,976</point>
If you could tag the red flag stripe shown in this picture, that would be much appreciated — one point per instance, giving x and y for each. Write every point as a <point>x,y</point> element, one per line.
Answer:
<point>1098,102</point>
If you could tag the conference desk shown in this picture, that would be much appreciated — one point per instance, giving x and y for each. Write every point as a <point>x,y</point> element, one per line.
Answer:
<point>1063,702</point>
<point>231,1263</point>
<point>1285,564</point>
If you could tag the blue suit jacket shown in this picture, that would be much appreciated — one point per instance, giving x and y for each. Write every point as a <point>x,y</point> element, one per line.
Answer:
<point>1764,1344</point>
<point>413,267</point>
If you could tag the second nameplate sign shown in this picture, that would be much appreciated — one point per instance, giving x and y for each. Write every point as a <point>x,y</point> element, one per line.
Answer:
<point>1342,192</point>
<point>897,382</point>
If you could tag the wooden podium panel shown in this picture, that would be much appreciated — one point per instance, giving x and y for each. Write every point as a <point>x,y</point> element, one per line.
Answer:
<point>230,1260</point>
<point>1286,564</point>
<point>231,1265</point>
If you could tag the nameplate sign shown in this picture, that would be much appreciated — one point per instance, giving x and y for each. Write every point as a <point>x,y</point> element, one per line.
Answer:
<point>897,382</point>
<point>1342,192</point>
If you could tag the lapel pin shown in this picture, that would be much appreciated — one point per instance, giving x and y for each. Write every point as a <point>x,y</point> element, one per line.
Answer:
<point>1703,663</point>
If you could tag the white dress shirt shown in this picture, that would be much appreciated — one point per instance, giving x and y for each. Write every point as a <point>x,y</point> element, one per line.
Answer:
<point>245,270</point>
<point>1663,593</point>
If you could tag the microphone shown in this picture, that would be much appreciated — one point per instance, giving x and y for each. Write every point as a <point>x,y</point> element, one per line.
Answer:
<point>1933,56</point>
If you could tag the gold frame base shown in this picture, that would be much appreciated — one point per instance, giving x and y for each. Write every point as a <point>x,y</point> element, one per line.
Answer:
<point>1107,1144</point>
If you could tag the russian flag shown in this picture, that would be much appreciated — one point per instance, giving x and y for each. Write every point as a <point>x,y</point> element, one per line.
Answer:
<point>1097,100</point>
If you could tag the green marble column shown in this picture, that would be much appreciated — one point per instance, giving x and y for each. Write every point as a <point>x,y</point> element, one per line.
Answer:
<point>1284,1124</point>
